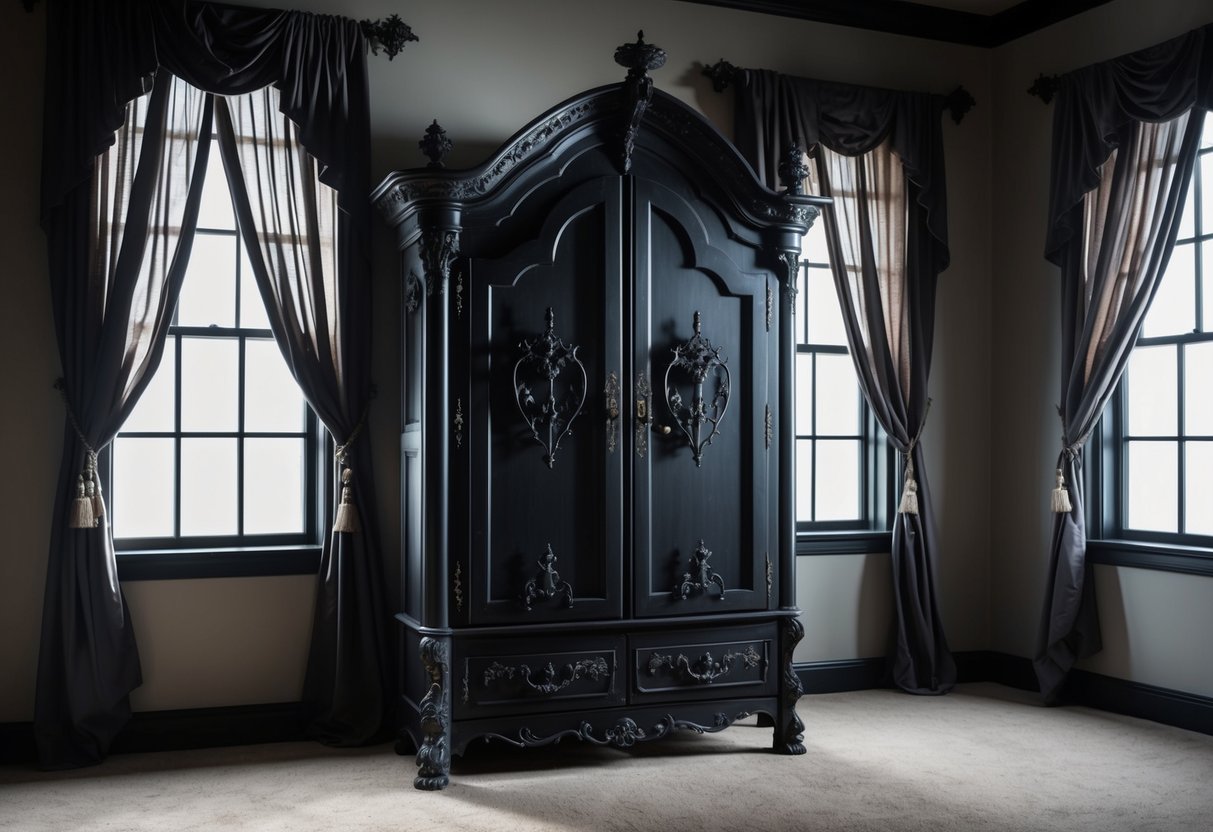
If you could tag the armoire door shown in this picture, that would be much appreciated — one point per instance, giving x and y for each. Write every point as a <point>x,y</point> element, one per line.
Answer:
<point>701,370</point>
<point>545,461</point>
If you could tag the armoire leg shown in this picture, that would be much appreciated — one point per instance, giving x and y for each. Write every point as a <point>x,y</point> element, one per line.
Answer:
<point>789,730</point>
<point>434,754</point>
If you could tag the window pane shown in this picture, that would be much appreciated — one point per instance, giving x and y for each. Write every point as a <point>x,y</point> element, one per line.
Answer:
<point>1187,220</point>
<point>273,486</point>
<point>1206,136</point>
<point>1206,187</point>
<point>208,295</point>
<point>837,396</point>
<point>208,487</point>
<point>1198,389</point>
<point>813,244</point>
<point>1173,311</point>
<point>1151,503</point>
<point>155,409</point>
<point>837,486</point>
<point>1198,488</point>
<point>804,480</point>
<point>1206,268</point>
<point>272,400</point>
<point>825,316</point>
<point>804,393</point>
<point>1152,399</point>
<point>210,377</point>
<point>141,504</point>
<point>252,308</point>
<point>216,208</point>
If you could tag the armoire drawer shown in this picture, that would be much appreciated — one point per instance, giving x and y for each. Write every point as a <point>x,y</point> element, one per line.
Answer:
<point>736,661</point>
<point>517,675</point>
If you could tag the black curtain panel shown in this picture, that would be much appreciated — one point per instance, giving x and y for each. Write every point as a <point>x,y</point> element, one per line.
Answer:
<point>110,53</point>
<point>1125,137</point>
<point>879,155</point>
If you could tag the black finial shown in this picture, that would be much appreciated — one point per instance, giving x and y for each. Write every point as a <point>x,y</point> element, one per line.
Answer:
<point>390,35</point>
<point>435,145</point>
<point>793,170</point>
<point>958,102</point>
<point>722,74</point>
<point>639,57</point>
<point>1045,87</point>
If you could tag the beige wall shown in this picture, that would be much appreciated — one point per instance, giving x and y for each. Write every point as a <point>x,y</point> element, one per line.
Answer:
<point>484,69</point>
<point>1155,625</point>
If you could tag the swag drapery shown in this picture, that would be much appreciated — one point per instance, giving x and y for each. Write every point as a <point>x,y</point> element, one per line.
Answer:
<point>113,299</point>
<point>879,155</point>
<point>1125,139</point>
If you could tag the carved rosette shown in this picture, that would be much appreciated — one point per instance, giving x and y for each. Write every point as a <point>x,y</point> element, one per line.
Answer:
<point>438,250</point>
<point>706,669</point>
<point>625,734</point>
<point>434,756</point>
<point>789,730</point>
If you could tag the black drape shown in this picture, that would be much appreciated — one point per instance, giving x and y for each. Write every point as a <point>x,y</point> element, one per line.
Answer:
<point>888,146</point>
<point>1124,146</point>
<point>107,53</point>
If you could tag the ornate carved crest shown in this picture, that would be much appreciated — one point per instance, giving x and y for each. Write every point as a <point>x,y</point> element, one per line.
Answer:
<point>696,360</point>
<point>548,415</point>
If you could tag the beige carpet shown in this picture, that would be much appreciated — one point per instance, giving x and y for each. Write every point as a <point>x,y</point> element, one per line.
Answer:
<point>982,758</point>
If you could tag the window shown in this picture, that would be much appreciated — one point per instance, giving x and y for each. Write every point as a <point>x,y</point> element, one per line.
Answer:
<point>842,457</point>
<point>1155,460</point>
<point>221,451</point>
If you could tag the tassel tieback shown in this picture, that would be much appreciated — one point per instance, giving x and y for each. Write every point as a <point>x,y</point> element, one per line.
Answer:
<point>87,509</point>
<point>347,513</point>
<point>1061,497</point>
<point>909,493</point>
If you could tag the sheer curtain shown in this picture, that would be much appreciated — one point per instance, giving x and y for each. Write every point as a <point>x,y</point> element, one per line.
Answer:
<point>879,155</point>
<point>1125,138</point>
<point>118,244</point>
<point>318,311</point>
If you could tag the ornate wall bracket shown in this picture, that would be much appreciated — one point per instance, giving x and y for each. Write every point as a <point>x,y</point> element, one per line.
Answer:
<point>701,577</point>
<point>638,58</point>
<point>389,34</point>
<point>696,360</point>
<point>1045,87</point>
<point>705,669</point>
<point>550,417</point>
<point>722,74</point>
<point>438,250</point>
<point>434,756</point>
<point>549,680</point>
<point>547,583</point>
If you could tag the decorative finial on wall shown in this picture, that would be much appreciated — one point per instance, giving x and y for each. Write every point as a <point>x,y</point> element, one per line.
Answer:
<point>959,101</point>
<point>639,58</point>
<point>722,74</point>
<point>1045,87</point>
<point>389,34</point>
<point>435,145</point>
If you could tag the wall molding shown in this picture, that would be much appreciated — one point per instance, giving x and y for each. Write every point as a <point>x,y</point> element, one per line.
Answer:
<point>922,21</point>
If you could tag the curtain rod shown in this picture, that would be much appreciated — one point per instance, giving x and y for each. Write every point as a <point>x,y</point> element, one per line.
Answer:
<point>958,102</point>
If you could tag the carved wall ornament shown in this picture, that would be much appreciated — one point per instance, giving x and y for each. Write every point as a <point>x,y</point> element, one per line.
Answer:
<point>547,583</point>
<point>696,360</point>
<point>435,145</point>
<point>548,415</point>
<point>438,250</point>
<point>390,35</point>
<point>433,755</point>
<point>412,292</point>
<point>549,680</point>
<point>705,669</point>
<point>639,58</point>
<point>701,577</point>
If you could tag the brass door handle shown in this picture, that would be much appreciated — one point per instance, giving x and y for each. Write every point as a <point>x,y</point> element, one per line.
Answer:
<point>663,430</point>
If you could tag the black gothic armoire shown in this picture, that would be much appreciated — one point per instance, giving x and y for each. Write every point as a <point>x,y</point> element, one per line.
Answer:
<point>596,432</point>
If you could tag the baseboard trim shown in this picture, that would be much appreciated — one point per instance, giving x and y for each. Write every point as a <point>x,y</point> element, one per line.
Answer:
<point>1170,707</point>
<point>841,676</point>
<point>178,730</point>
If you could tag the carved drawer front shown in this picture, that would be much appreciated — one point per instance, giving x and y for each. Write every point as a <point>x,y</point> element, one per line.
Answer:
<point>706,664</point>
<point>554,674</point>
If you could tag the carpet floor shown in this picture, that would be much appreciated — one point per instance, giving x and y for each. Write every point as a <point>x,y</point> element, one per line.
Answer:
<point>984,757</point>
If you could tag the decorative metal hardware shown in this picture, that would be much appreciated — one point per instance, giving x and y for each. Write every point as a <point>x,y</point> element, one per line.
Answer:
<point>789,262</point>
<point>412,292</point>
<point>701,577</point>
<point>438,250</point>
<point>705,669</point>
<point>612,409</point>
<point>1045,87</point>
<point>435,145</point>
<point>770,306</point>
<point>722,74</point>
<point>789,730</point>
<point>644,398</point>
<point>792,170</point>
<point>459,423</point>
<point>389,34</point>
<point>549,680</point>
<point>958,103</point>
<point>433,755</point>
<point>769,427</point>
<point>458,589</point>
<point>698,359</point>
<point>548,355</point>
<point>547,583</point>
<point>770,577</point>
<point>638,58</point>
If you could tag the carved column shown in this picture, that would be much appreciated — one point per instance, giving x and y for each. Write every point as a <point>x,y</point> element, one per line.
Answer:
<point>434,755</point>
<point>439,248</point>
<point>789,730</point>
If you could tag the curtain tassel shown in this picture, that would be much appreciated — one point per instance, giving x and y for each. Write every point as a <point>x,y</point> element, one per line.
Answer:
<point>97,499</point>
<point>347,513</point>
<point>81,514</point>
<point>909,493</point>
<point>1061,496</point>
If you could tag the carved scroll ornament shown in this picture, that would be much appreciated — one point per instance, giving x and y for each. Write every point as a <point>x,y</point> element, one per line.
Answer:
<point>697,361</point>
<point>548,414</point>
